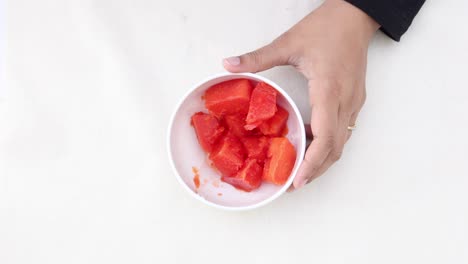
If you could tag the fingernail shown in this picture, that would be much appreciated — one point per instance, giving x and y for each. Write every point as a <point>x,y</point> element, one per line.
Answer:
<point>233,61</point>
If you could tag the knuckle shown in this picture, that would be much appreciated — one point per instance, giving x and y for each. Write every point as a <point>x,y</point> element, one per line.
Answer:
<point>330,142</point>
<point>313,171</point>
<point>255,57</point>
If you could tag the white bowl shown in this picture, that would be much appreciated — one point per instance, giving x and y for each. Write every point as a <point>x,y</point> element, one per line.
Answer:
<point>185,153</point>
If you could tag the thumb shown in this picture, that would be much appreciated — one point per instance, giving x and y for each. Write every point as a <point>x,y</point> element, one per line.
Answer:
<point>258,60</point>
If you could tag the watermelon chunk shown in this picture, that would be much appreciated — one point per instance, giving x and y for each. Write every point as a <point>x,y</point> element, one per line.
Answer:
<point>208,130</point>
<point>262,105</point>
<point>235,124</point>
<point>276,125</point>
<point>228,155</point>
<point>230,97</point>
<point>280,161</point>
<point>256,147</point>
<point>248,178</point>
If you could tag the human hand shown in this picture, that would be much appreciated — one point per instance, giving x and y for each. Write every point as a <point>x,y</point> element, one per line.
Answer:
<point>329,47</point>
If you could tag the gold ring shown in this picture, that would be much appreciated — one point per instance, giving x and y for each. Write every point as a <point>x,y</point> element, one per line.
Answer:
<point>351,128</point>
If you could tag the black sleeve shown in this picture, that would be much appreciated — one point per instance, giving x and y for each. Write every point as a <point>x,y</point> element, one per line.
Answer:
<point>394,16</point>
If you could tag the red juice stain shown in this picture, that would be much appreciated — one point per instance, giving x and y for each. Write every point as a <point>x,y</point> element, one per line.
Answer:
<point>196,181</point>
<point>215,183</point>
<point>220,194</point>
<point>285,131</point>
<point>196,177</point>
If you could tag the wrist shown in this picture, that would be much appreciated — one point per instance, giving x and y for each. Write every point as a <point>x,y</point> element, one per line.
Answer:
<point>352,18</point>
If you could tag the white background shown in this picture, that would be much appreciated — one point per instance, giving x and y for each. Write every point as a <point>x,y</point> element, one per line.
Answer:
<point>84,174</point>
<point>2,47</point>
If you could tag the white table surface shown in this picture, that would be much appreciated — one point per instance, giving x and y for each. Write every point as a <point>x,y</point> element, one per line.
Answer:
<point>84,174</point>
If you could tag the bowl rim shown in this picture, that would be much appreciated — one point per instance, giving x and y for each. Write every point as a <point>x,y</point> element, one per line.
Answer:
<point>169,137</point>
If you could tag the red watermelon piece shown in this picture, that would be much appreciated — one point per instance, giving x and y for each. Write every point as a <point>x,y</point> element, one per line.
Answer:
<point>262,105</point>
<point>280,161</point>
<point>228,155</point>
<point>208,130</point>
<point>256,147</point>
<point>235,124</point>
<point>248,178</point>
<point>230,97</point>
<point>276,125</point>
